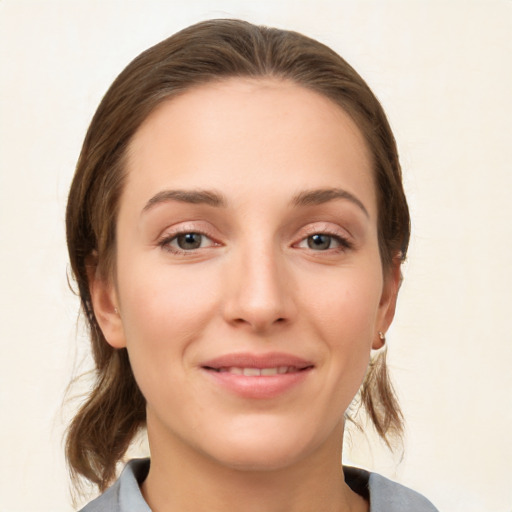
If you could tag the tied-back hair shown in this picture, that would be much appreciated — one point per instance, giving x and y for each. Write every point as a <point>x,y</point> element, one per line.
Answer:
<point>114,410</point>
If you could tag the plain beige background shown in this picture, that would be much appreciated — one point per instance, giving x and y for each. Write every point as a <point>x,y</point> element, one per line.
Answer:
<point>442,70</point>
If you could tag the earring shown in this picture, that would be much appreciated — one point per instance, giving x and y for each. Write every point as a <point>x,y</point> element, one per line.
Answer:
<point>382,337</point>
<point>116,311</point>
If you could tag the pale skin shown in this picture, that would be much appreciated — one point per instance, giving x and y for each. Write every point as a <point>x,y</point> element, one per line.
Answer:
<point>248,225</point>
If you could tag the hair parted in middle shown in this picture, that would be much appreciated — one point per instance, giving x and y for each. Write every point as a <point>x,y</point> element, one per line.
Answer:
<point>210,51</point>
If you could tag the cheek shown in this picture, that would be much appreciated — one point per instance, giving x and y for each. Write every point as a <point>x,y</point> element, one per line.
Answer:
<point>160,298</point>
<point>345,314</point>
<point>346,303</point>
<point>164,312</point>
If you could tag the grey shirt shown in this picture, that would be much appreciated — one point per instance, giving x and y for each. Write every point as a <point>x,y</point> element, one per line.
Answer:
<point>383,494</point>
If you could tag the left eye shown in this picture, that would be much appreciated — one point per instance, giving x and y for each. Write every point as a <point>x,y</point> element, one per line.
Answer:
<point>321,242</point>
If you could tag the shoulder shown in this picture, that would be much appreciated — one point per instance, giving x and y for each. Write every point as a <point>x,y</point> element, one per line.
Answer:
<point>389,496</point>
<point>385,495</point>
<point>124,495</point>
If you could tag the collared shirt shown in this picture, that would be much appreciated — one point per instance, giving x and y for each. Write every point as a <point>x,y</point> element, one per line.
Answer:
<point>382,494</point>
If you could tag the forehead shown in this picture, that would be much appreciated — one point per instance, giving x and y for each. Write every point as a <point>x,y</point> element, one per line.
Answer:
<point>253,132</point>
<point>239,100</point>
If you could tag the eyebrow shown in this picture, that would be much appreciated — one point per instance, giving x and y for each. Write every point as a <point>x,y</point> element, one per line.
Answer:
<point>207,197</point>
<point>215,199</point>
<point>324,195</point>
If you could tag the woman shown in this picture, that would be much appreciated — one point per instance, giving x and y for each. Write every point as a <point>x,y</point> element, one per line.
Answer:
<point>236,226</point>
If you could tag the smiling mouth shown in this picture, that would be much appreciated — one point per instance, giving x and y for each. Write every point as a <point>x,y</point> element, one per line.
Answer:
<point>258,376</point>
<point>258,372</point>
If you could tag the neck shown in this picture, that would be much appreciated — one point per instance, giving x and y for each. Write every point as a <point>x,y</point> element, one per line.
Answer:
<point>182,479</point>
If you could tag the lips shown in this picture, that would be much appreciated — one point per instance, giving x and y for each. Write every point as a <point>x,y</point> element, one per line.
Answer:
<point>260,361</point>
<point>257,376</point>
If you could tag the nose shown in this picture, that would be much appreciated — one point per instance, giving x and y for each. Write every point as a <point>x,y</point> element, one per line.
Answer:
<point>259,294</point>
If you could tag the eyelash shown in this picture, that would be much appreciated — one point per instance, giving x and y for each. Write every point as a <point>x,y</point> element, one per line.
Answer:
<point>165,243</point>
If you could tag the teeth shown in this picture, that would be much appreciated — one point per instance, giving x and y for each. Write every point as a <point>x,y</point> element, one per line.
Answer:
<point>252,372</point>
<point>255,372</point>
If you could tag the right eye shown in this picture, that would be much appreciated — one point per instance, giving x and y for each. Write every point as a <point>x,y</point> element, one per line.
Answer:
<point>186,242</point>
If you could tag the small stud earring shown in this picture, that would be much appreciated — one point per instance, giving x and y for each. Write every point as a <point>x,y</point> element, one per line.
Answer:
<point>382,337</point>
<point>116,311</point>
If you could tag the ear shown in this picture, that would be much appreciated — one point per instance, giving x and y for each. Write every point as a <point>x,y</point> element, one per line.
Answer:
<point>387,305</point>
<point>106,306</point>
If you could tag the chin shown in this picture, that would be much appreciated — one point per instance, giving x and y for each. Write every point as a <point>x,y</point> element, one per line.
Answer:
<point>267,449</point>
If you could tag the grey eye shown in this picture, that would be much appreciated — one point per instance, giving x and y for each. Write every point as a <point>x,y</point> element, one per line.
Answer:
<point>189,241</point>
<point>319,242</point>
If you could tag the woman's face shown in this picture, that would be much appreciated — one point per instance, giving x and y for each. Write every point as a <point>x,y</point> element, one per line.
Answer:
<point>249,284</point>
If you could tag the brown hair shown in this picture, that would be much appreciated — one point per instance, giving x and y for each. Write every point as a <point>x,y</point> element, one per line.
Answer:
<point>213,50</point>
